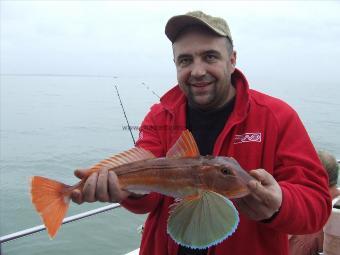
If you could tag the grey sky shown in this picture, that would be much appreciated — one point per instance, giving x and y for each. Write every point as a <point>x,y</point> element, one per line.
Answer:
<point>282,41</point>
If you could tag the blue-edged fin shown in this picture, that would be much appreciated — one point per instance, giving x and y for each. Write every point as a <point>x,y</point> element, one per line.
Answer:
<point>185,146</point>
<point>201,222</point>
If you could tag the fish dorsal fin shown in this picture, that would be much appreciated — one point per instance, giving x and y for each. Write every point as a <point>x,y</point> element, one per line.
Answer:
<point>132,155</point>
<point>185,146</point>
<point>209,219</point>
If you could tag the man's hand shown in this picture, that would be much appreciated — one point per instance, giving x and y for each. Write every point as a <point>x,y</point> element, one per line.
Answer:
<point>102,186</point>
<point>265,196</point>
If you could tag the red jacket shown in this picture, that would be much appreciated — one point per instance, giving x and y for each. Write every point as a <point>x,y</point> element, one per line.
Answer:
<point>262,132</point>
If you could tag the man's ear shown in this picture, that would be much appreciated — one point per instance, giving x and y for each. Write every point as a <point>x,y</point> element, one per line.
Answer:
<point>233,58</point>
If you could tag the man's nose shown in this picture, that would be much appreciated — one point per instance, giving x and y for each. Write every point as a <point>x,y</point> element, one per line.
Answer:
<point>198,69</point>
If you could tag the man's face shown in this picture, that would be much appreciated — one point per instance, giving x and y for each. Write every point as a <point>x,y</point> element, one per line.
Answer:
<point>204,69</point>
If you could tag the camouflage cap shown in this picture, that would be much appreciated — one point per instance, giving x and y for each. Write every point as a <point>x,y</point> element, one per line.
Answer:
<point>177,23</point>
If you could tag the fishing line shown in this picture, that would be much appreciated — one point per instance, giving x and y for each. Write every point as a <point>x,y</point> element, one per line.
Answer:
<point>127,121</point>
<point>153,92</point>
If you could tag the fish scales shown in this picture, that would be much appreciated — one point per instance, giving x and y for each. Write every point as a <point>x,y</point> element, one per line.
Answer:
<point>175,177</point>
<point>167,175</point>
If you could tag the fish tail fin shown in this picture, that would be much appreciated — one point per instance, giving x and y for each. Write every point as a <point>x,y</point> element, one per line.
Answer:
<point>202,222</point>
<point>51,200</point>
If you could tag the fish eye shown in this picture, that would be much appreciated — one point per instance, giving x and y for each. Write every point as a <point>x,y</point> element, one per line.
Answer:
<point>226,171</point>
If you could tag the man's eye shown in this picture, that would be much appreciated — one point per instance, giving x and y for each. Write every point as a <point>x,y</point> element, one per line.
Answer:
<point>184,61</point>
<point>210,57</point>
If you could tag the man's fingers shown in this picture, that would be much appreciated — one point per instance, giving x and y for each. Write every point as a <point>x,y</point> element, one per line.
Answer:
<point>102,191</point>
<point>266,189</point>
<point>77,196</point>
<point>116,194</point>
<point>100,186</point>
<point>262,176</point>
<point>259,187</point>
<point>89,190</point>
<point>114,190</point>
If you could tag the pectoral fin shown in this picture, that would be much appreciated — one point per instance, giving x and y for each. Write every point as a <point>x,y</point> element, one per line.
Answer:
<point>203,221</point>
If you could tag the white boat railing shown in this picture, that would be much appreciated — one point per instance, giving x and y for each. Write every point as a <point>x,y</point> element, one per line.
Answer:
<point>29,231</point>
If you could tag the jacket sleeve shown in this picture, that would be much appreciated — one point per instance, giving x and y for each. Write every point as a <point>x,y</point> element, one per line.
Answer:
<point>306,203</point>
<point>148,139</point>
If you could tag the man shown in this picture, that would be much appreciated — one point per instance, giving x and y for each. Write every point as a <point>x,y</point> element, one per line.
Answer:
<point>262,133</point>
<point>332,168</point>
<point>312,244</point>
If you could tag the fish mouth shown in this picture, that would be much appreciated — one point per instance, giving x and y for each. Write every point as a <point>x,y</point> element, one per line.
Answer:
<point>235,194</point>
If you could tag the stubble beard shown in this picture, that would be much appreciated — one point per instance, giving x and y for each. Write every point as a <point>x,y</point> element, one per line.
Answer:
<point>207,103</point>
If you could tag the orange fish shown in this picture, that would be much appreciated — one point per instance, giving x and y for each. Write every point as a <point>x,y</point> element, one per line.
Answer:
<point>204,184</point>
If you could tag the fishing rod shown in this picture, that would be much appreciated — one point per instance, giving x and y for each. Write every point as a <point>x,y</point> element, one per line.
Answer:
<point>127,121</point>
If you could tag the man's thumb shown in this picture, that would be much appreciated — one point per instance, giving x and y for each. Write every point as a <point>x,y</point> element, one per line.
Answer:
<point>81,173</point>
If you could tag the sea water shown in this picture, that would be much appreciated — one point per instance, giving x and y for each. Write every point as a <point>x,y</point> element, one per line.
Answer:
<point>53,125</point>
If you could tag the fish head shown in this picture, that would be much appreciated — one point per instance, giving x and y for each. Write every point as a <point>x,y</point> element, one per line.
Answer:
<point>225,176</point>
